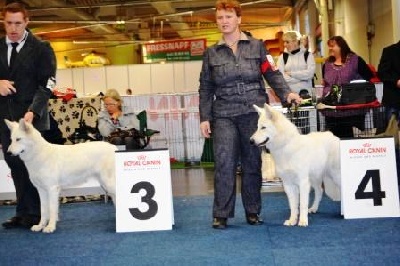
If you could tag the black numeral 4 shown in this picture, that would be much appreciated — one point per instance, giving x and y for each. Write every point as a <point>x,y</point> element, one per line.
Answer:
<point>376,194</point>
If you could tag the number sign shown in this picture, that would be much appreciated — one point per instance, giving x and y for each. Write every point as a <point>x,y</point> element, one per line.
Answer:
<point>369,178</point>
<point>144,193</point>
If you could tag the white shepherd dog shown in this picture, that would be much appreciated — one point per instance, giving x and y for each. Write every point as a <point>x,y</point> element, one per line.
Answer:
<point>301,161</point>
<point>52,167</point>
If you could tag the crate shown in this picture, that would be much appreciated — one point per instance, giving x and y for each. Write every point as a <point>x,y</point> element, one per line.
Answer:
<point>353,123</point>
<point>305,118</point>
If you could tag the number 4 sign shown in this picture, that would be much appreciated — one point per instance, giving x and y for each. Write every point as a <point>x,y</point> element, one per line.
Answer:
<point>369,178</point>
<point>144,192</point>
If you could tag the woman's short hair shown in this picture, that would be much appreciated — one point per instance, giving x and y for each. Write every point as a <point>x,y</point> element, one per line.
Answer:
<point>230,5</point>
<point>292,36</point>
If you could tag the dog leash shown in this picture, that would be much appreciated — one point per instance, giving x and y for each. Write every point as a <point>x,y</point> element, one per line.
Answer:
<point>295,112</point>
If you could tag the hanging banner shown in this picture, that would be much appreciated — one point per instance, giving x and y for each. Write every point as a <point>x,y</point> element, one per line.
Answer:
<point>176,50</point>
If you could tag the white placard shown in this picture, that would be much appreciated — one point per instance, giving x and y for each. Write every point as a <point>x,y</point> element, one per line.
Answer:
<point>369,178</point>
<point>144,192</point>
<point>6,183</point>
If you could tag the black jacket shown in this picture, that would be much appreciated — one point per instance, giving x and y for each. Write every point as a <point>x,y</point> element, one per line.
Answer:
<point>389,73</point>
<point>33,74</point>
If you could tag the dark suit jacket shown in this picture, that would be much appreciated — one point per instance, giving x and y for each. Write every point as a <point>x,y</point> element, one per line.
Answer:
<point>389,73</point>
<point>33,74</point>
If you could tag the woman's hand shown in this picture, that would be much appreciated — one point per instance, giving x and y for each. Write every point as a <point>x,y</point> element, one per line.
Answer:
<point>115,115</point>
<point>293,97</point>
<point>205,129</point>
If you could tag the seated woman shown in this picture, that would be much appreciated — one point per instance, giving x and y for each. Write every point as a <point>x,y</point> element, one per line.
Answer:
<point>115,117</point>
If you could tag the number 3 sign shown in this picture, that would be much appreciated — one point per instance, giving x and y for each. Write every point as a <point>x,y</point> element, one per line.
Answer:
<point>369,178</point>
<point>144,193</point>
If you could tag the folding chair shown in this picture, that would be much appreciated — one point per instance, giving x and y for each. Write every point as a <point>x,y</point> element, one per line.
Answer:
<point>145,133</point>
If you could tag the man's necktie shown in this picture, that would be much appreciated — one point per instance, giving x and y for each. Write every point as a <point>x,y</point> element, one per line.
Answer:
<point>13,53</point>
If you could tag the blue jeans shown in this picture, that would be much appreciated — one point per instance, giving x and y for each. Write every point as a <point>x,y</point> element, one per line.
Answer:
<point>391,110</point>
<point>231,138</point>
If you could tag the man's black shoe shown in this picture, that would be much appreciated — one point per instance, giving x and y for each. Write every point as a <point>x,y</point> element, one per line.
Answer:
<point>219,223</point>
<point>22,222</point>
<point>254,219</point>
<point>12,222</point>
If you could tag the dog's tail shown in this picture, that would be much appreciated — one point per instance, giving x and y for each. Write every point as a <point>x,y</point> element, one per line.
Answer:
<point>332,189</point>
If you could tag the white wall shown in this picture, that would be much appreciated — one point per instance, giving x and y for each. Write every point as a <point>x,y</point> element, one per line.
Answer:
<point>351,19</point>
<point>143,79</point>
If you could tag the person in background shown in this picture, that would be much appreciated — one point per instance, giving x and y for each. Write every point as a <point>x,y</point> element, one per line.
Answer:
<point>115,117</point>
<point>231,81</point>
<point>296,64</point>
<point>341,67</point>
<point>389,74</point>
<point>304,42</point>
<point>298,67</point>
<point>27,79</point>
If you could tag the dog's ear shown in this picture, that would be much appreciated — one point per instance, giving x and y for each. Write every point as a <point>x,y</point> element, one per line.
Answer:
<point>258,109</point>
<point>25,126</point>
<point>268,110</point>
<point>10,124</point>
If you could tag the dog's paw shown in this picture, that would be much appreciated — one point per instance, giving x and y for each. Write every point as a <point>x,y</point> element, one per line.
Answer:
<point>290,222</point>
<point>303,222</point>
<point>49,229</point>
<point>37,228</point>
<point>312,210</point>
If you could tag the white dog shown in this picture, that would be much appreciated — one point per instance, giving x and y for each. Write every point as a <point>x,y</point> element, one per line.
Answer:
<point>52,167</point>
<point>301,161</point>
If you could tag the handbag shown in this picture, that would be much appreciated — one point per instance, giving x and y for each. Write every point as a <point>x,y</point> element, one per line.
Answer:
<point>84,132</point>
<point>140,139</point>
<point>358,93</point>
<point>351,93</point>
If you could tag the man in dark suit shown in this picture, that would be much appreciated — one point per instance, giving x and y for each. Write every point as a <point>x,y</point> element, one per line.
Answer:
<point>389,73</point>
<point>25,88</point>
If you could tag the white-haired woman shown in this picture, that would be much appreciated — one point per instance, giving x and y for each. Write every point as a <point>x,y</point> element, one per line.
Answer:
<point>115,117</point>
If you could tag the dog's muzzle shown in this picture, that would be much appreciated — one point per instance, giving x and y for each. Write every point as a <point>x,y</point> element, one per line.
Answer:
<point>252,142</point>
<point>264,142</point>
<point>13,154</point>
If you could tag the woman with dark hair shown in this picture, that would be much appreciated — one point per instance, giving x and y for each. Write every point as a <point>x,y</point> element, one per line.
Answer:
<point>341,67</point>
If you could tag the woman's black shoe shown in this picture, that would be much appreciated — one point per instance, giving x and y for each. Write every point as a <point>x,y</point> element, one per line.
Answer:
<point>254,219</point>
<point>219,223</point>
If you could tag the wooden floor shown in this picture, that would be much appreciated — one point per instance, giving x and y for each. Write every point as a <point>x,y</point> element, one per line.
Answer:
<point>200,181</point>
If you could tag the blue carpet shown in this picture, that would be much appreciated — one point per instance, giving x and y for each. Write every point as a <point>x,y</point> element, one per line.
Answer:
<point>86,236</point>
